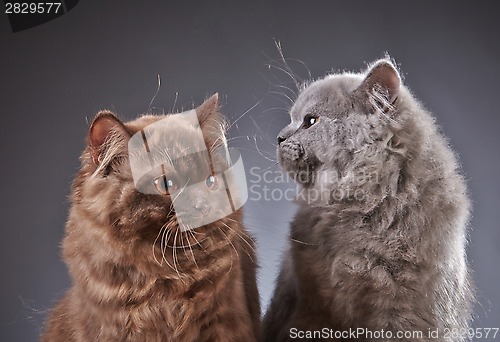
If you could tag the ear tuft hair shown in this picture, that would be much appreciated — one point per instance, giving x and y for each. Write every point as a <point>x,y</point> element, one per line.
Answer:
<point>212,123</point>
<point>105,129</point>
<point>383,77</point>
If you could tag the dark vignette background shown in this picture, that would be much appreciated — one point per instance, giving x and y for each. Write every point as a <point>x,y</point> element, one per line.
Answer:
<point>54,77</point>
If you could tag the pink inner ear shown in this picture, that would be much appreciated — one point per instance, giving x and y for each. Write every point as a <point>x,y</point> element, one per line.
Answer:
<point>103,125</point>
<point>100,130</point>
<point>387,77</point>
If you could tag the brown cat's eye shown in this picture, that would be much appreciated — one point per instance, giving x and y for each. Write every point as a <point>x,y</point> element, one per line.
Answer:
<point>211,182</point>
<point>164,185</point>
<point>310,120</point>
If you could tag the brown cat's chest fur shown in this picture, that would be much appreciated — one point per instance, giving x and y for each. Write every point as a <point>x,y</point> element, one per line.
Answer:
<point>113,300</point>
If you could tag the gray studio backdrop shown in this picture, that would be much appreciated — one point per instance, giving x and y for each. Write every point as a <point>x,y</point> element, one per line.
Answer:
<point>54,77</point>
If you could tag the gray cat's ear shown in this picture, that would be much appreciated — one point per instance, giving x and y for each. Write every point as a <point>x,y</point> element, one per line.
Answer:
<point>107,135</point>
<point>208,109</point>
<point>382,79</point>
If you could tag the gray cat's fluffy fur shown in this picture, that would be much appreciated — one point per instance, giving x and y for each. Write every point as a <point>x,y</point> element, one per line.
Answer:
<point>383,247</point>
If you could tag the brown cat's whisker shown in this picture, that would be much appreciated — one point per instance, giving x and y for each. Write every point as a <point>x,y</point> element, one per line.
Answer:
<point>186,246</point>
<point>174,256</point>
<point>252,248</point>
<point>229,240</point>
<point>166,234</point>
<point>156,93</point>
<point>212,147</point>
<point>154,243</point>
<point>175,102</point>
<point>191,250</point>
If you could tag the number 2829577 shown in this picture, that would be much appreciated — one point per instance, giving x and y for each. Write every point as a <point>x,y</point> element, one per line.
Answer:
<point>33,7</point>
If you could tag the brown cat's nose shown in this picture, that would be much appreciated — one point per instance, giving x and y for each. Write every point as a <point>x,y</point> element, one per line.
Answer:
<point>202,207</point>
<point>281,139</point>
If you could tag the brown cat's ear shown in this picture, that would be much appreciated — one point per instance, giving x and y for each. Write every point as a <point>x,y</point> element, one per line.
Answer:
<point>212,123</point>
<point>208,109</point>
<point>107,134</point>
<point>382,79</point>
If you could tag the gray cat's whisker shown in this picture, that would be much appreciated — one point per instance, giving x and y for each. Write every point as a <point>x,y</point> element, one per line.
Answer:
<point>304,65</point>
<point>274,109</point>
<point>260,152</point>
<point>290,74</point>
<point>238,137</point>
<point>281,94</point>
<point>284,70</point>
<point>244,113</point>
<point>287,88</point>
<point>304,243</point>
<point>285,63</point>
<point>264,136</point>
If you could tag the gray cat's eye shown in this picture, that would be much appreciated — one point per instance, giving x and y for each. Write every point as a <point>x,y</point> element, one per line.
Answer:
<point>310,120</point>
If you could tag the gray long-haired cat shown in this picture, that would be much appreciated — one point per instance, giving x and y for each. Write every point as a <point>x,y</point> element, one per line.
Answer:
<point>378,243</point>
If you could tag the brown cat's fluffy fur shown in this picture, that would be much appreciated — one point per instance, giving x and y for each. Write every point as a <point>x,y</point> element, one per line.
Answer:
<point>379,240</point>
<point>127,286</point>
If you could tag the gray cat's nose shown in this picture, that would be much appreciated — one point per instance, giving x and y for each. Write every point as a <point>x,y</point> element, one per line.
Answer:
<point>285,134</point>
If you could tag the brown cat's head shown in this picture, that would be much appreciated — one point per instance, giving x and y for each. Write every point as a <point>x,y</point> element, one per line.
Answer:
<point>140,212</point>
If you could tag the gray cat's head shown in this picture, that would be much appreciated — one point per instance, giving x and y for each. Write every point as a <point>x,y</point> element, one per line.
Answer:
<point>345,135</point>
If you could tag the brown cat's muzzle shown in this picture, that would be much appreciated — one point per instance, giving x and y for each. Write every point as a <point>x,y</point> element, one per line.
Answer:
<point>202,207</point>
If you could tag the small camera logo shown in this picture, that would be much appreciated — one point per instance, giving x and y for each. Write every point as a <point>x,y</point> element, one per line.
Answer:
<point>170,157</point>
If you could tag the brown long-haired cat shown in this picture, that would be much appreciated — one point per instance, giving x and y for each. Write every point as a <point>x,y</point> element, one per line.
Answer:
<point>137,276</point>
<point>378,244</point>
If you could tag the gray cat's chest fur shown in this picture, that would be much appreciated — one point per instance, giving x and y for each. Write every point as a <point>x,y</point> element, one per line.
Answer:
<point>391,257</point>
<point>347,266</point>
